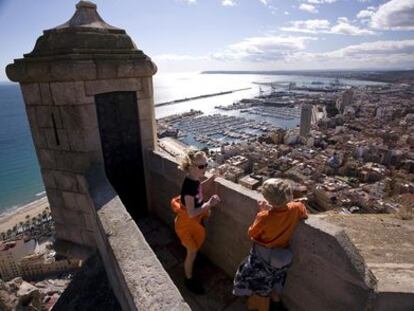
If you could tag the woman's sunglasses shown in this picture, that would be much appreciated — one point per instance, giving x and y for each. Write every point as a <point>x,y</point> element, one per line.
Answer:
<point>202,166</point>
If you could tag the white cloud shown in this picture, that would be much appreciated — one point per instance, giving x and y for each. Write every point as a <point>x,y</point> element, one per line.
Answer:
<point>314,26</point>
<point>344,27</point>
<point>265,2</point>
<point>189,1</point>
<point>262,49</point>
<point>308,26</point>
<point>369,54</point>
<point>308,8</point>
<point>228,3</point>
<point>363,14</point>
<point>394,15</point>
<point>321,1</point>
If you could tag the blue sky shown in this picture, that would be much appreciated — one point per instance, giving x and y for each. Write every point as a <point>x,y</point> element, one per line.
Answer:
<point>195,35</point>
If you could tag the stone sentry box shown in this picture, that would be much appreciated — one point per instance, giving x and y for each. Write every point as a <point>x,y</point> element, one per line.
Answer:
<point>89,99</point>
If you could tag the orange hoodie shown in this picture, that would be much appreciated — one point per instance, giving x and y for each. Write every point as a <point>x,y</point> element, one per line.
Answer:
<point>274,228</point>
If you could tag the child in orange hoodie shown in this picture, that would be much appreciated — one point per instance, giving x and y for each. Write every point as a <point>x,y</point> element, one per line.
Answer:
<point>191,209</point>
<point>263,272</point>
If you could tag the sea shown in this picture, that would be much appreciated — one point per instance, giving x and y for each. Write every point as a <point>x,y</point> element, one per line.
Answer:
<point>20,178</point>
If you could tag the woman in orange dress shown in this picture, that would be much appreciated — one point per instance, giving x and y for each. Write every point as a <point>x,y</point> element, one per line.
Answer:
<point>191,209</point>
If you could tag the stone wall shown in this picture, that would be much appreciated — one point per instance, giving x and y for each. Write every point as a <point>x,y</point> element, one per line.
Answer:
<point>64,125</point>
<point>328,273</point>
<point>137,278</point>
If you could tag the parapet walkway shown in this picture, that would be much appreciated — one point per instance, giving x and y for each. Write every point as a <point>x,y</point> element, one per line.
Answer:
<point>171,254</point>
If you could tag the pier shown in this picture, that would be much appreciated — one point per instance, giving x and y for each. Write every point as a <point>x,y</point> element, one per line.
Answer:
<point>176,101</point>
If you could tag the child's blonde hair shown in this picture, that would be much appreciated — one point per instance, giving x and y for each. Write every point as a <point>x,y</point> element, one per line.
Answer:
<point>277,192</point>
<point>187,160</point>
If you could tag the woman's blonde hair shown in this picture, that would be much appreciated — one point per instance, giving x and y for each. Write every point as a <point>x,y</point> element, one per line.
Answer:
<point>187,160</point>
<point>277,192</point>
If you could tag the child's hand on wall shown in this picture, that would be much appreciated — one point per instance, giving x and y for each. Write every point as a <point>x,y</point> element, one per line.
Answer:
<point>214,200</point>
<point>263,205</point>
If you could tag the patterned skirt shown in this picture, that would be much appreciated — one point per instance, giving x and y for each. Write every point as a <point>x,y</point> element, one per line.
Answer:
<point>255,276</point>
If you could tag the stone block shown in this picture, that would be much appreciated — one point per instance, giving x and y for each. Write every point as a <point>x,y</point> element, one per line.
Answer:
<point>148,134</point>
<point>69,199</point>
<point>116,85</point>
<point>66,181</point>
<point>55,198</point>
<point>82,183</point>
<point>76,162</point>
<point>76,201</point>
<point>146,108</point>
<point>45,116</point>
<point>48,178</point>
<point>56,139</point>
<point>73,71</point>
<point>39,140</point>
<point>136,68</point>
<point>46,94</point>
<point>79,117</point>
<point>237,200</point>
<point>147,90</point>
<point>106,69</point>
<point>47,158</point>
<point>84,140</point>
<point>156,162</point>
<point>36,70</point>
<point>31,93</point>
<point>90,221</point>
<point>69,93</point>
<point>88,238</point>
<point>32,116</point>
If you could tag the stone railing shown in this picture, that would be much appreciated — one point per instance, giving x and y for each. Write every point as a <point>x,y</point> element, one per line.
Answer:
<point>328,272</point>
<point>137,277</point>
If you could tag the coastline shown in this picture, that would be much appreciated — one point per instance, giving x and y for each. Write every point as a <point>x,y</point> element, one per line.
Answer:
<point>10,218</point>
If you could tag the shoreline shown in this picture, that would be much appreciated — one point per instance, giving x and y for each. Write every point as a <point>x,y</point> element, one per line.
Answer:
<point>13,217</point>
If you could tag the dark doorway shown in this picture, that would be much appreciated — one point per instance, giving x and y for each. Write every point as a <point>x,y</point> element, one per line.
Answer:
<point>121,146</point>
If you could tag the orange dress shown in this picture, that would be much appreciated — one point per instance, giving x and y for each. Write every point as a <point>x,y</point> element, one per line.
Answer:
<point>274,228</point>
<point>190,231</point>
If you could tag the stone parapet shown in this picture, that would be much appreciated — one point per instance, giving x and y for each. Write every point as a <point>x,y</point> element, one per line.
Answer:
<point>137,277</point>
<point>358,262</point>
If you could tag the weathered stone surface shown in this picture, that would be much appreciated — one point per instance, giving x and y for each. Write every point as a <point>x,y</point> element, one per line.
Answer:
<point>137,68</point>
<point>35,70</point>
<point>144,285</point>
<point>72,71</point>
<point>69,93</point>
<point>46,158</point>
<point>57,139</point>
<point>106,69</point>
<point>115,85</point>
<point>66,181</point>
<point>55,198</point>
<point>79,117</point>
<point>76,162</point>
<point>31,93</point>
<point>84,140</point>
<point>147,90</point>
<point>48,178</point>
<point>46,94</point>
<point>48,116</point>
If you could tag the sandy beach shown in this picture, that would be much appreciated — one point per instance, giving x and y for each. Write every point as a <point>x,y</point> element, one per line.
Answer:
<point>33,209</point>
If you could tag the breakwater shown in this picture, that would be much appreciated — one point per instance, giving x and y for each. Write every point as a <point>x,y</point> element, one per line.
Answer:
<point>176,101</point>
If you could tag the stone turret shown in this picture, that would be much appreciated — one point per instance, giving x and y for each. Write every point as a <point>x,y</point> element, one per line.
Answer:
<point>89,99</point>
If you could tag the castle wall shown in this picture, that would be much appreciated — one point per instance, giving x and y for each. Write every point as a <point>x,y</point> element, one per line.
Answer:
<point>328,271</point>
